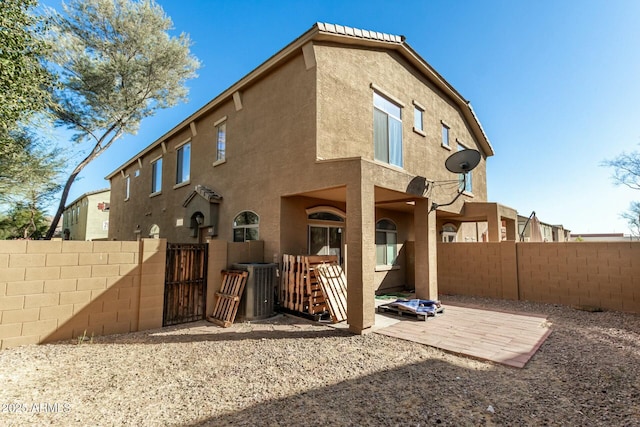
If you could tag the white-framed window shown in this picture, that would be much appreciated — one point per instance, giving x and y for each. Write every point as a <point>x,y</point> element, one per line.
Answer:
<point>221,139</point>
<point>246,226</point>
<point>127,187</point>
<point>326,228</point>
<point>387,130</point>
<point>445,135</point>
<point>156,175</point>
<point>183,163</point>
<point>418,118</point>
<point>468,184</point>
<point>449,233</point>
<point>386,242</point>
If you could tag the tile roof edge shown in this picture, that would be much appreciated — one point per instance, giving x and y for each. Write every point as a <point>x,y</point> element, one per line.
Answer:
<point>344,30</point>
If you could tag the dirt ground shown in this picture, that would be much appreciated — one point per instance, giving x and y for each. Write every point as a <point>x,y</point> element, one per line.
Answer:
<point>287,371</point>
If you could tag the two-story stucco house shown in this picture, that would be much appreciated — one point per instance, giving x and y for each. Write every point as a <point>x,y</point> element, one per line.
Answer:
<point>334,145</point>
<point>87,217</point>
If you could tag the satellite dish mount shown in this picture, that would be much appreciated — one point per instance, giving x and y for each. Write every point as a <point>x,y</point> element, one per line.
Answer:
<point>461,162</point>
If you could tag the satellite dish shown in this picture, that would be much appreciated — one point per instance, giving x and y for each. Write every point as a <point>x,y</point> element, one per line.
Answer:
<point>463,161</point>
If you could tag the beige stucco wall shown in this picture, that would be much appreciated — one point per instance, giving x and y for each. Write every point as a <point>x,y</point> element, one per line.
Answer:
<point>55,290</point>
<point>269,145</point>
<point>345,113</point>
<point>272,142</point>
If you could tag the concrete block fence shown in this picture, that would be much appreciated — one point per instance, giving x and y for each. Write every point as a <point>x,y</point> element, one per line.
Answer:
<point>55,290</point>
<point>597,274</point>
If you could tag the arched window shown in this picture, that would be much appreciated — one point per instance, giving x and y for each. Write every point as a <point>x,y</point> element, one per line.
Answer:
<point>325,213</point>
<point>326,225</point>
<point>325,216</point>
<point>449,233</point>
<point>245,226</point>
<point>386,242</point>
<point>154,231</point>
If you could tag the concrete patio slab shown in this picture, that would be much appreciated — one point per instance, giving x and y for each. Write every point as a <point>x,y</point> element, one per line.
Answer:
<point>506,338</point>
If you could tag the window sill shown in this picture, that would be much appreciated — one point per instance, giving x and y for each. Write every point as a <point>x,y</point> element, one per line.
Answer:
<point>446,147</point>
<point>219,162</point>
<point>387,267</point>
<point>468,194</point>
<point>389,165</point>
<point>182,184</point>
<point>157,193</point>
<point>419,132</point>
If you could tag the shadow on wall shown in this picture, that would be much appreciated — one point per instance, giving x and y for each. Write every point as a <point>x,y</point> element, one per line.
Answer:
<point>399,278</point>
<point>130,302</point>
<point>113,311</point>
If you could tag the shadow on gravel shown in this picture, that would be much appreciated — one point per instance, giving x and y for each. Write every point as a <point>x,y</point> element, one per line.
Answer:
<point>226,336</point>
<point>409,395</point>
<point>277,327</point>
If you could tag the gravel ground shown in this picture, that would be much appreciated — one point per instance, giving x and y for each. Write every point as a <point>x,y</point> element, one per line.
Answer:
<point>289,372</point>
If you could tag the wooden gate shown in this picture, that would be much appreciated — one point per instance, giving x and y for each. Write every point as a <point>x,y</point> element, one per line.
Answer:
<point>185,285</point>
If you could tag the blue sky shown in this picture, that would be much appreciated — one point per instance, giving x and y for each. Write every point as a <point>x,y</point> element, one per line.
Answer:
<point>555,84</point>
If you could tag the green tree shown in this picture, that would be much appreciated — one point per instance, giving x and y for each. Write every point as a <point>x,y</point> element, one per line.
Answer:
<point>23,222</point>
<point>30,188</point>
<point>626,168</point>
<point>25,82</point>
<point>633,218</point>
<point>119,65</point>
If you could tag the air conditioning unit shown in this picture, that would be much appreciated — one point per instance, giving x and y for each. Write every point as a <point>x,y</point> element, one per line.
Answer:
<point>258,298</point>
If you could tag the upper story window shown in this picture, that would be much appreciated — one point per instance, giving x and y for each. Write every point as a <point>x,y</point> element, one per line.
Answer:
<point>387,130</point>
<point>386,242</point>
<point>183,166</point>
<point>418,118</point>
<point>468,183</point>
<point>245,226</point>
<point>127,187</point>
<point>156,176</point>
<point>221,140</point>
<point>445,135</point>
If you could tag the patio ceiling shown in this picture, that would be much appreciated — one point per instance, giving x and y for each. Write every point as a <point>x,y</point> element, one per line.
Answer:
<point>384,198</point>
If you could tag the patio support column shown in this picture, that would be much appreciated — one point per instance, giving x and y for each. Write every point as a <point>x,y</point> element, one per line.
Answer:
<point>511,229</point>
<point>426,261</point>
<point>493,226</point>
<point>360,258</point>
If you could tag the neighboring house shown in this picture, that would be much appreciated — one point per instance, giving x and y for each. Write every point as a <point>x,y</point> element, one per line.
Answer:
<point>87,217</point>
<point>548,232</point>
<point>334,145</point>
